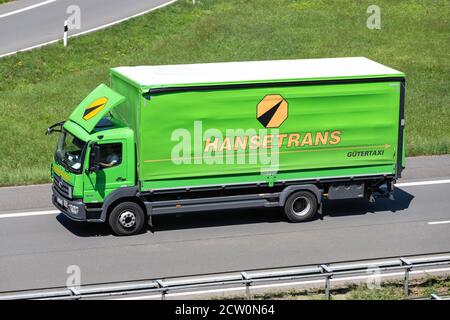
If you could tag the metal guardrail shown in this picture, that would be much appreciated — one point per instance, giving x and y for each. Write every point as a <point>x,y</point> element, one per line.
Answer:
<point>325,272</point>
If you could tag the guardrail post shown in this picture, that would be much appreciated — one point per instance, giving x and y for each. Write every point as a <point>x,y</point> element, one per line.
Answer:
<point>328,273</point>
<point>248,283</point>
<point>408,266</point>
<point>164,288</point>
<point>435,297</point>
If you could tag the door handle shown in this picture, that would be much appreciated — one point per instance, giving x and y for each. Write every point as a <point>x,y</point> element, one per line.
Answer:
<point>121,179</point>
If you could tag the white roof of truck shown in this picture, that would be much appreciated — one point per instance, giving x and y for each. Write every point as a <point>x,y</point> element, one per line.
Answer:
<point>233,72</point>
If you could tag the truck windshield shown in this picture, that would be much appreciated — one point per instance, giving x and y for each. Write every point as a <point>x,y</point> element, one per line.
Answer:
<point>69,152</point>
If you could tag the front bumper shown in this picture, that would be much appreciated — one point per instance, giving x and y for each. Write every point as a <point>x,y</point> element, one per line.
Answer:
<point>63,204</point>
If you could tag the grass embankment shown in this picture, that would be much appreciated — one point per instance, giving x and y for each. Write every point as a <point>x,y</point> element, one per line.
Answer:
<point>393,290</point>
<point>42,87</point>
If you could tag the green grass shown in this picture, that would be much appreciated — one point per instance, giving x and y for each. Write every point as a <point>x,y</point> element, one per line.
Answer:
<point>41,87</point>
<point>4,1</point>
<point>392,290</point>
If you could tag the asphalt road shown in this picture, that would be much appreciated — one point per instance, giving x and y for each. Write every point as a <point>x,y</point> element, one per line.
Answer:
<point>36,251</point>
<point>28,23</point>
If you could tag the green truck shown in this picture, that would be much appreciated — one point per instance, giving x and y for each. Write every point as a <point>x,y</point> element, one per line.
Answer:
<point>203,137</point>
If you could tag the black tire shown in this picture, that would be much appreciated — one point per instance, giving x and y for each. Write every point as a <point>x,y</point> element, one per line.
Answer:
<point>127,218</point>
<point>300,206</point>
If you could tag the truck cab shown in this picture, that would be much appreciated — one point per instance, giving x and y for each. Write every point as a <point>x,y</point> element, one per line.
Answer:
<point>95,156</point>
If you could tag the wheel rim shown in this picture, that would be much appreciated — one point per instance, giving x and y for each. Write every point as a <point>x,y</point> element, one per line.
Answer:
<point>127,219</point>
<point>301,206</point>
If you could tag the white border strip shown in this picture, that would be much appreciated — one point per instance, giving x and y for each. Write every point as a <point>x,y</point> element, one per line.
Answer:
<point>28,214</point>
<point>422,183</point>
<point>40,4</point>
<point>90,30</point>
<point>439,222</point>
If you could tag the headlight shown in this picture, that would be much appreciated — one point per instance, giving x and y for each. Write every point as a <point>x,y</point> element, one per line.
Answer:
<point>70,192</point>
<point>73,209</point>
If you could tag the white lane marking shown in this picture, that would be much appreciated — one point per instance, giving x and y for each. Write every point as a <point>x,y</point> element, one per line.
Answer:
<point>28,214</point>
<point>38,213</point>
<point>421,183</point>
<point>122,20</point>
<point>439,222</point>
<point>284,284</point>
<point>40,4</point>
<point>90,30</point>
<point>29,48</point>
<point>43,185</point>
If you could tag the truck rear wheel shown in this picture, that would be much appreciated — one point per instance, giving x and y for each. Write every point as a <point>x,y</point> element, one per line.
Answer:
<point>127,218</point>
<point>300,206</point>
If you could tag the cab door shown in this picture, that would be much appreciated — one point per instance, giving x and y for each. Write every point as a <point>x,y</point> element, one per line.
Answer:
<point>112,173</point>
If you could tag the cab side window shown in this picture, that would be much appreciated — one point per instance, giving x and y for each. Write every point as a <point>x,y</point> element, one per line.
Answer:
<point>110,155</point>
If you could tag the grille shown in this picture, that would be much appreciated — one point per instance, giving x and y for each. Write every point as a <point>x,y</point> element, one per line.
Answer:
<point>63,187</point>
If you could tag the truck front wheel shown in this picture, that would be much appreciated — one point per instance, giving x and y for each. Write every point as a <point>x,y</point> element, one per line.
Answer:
<point>127,218</point>
<point>300,206</point>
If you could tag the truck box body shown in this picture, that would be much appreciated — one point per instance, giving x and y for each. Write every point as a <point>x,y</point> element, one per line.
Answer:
<point>201,137</point>
<point>343,119</point>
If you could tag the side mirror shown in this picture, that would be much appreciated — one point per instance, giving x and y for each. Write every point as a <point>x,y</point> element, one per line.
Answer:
<point>94,161</point>
<point>52,128</point>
